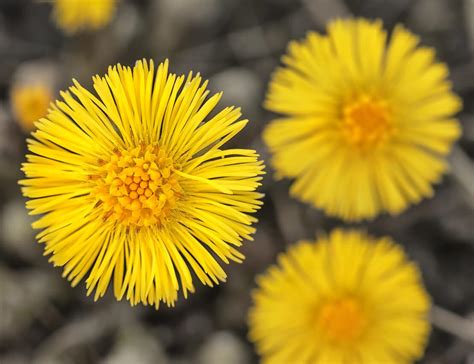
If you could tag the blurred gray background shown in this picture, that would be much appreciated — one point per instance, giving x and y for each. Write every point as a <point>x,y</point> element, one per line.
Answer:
<point>236,44</point>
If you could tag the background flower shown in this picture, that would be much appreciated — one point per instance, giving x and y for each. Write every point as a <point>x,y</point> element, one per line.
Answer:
<point>73,16</point>
<point>135,187</point>
<point>373,120</point>
<point>30,103</point>
<point>345,298</point>
<point>33,86</point>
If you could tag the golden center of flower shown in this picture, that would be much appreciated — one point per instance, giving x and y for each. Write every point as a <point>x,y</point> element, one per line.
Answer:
<point>366,122</point>
<point>137,187</point>
<point>342,320</point>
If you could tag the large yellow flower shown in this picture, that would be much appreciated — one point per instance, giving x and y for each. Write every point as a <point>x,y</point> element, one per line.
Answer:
<point>133,183</point>
<point>345,299</point>
<point>368,122</point>
<point>76,15</point>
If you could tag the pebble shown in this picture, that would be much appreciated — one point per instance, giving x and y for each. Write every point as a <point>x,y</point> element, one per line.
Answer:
<point>223,347</point>
<point>16,231</point>
<point>136,345</point>
<point>241,87</point>
<point>19,290</point>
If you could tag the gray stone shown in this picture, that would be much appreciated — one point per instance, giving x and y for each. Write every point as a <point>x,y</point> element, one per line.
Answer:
<point>242,88</point>
<point>138,346</point>
<point>42,71</point>
<point>83,331</point>
<point>171,20</point>
<point>223,347</point>
<point>469,14</point>
<point>16,231</point>
<point>432,15</point>
<point>14,358</point>
<point>25,296</point>
<point>289,213</point>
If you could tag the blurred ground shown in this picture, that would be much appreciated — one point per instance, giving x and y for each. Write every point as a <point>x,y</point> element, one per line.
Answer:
<point>236,44</point>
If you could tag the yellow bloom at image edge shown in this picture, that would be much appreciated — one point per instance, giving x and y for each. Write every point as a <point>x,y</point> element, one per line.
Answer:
<point>346,298</point>
<point>73,16</point>
<point>134,188</point>
<point>29,103</point>
<point>374,118</point>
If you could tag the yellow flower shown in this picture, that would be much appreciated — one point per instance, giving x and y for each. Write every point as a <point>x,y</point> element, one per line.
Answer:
<point>345,299</point>
<point>29,103</point>
<point>134,183</point>
<point>77,15</point>
<point>368,122</point>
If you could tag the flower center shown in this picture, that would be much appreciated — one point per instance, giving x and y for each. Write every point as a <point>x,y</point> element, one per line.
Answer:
<point>342,320</point>
<point>366,122</point>
<point>137,187</point>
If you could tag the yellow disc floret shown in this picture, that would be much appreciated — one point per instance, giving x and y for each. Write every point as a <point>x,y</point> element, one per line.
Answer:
<point>342,319</point>
<point>138,187</point>
<point>366,122</point>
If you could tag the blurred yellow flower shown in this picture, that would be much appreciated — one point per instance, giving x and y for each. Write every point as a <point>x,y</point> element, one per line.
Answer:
<point>30,103</point>
<point>368,122</point>
<point>347,298</point>
<point>73,16</point>
<point>134,183</point>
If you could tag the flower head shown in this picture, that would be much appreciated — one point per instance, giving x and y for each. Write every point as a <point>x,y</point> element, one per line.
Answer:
<point>373,118</point>
<point>347,298</point>
<point>30,103</point>
<point>73,16</point>
<point>134,185</point>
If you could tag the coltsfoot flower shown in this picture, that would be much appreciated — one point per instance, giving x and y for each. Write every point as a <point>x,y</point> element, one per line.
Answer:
<point>73,16</point>
<point>133,184</point>
<point>347,298</point>
<point>367,121</point>
<point>29,103</point>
